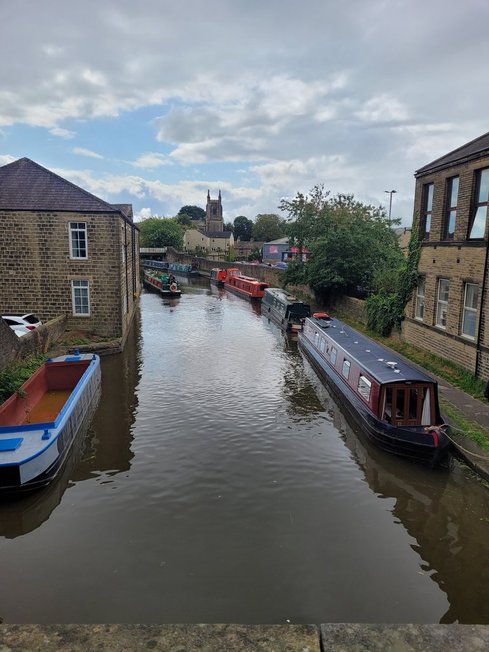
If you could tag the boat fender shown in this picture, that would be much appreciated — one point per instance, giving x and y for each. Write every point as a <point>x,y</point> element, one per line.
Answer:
<point>173,287</point>
<point>435,431</point>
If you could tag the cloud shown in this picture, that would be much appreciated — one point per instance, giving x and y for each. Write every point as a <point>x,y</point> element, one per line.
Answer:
<point>151,160</point>
<point>81,151</point>
<point>5,159</point>
<point>62,133</point>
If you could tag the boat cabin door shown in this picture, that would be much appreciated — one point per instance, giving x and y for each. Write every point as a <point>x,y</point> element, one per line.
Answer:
<point>408,405</point>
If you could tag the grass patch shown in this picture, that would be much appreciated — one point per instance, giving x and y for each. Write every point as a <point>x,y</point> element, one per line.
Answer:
<point>13,376</point>
<point>459,423</point>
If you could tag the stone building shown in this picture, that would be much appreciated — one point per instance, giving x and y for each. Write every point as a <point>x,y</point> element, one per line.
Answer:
<point>213,239</point>
<point>447,314</point>
<point>65,251</point>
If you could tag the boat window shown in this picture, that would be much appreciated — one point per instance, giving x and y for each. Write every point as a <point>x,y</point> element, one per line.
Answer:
<point>388,404</point>
<point>333,355</point>
<point>321,345</point>
<point>364,387</point>
<point>400,404</point>
<point>346,368</point>
<point>413,403</point>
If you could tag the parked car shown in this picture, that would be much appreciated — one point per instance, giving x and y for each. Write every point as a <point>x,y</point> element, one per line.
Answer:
<point>21,330</point>
<point>30,321</point>
<point>281,265</point>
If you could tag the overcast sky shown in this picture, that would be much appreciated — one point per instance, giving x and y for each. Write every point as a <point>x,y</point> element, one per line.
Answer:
<point>153,102</point>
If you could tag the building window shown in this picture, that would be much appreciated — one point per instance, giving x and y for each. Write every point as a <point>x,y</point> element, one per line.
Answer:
<point>478,222</point>
<point>78,240</point>
<point>470,310</point>
<point>442,303</point>
<point>428,190</point>
<point>80,292</point>
<point>451,210</point>
<point>346,369</point>
<point>420,291</point>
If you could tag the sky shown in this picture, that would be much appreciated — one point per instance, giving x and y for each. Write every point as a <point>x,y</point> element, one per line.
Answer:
<point>156,102</point>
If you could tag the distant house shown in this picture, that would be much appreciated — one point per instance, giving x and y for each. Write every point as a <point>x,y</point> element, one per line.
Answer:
<point>278,251</point>
<point>65,251</point>
<point>450,308</point>
<point>403,236</point>
<point>211,239</point>
<point>243,248</point>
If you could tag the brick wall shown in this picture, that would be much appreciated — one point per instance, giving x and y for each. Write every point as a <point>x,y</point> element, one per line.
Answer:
<point>36,269</point>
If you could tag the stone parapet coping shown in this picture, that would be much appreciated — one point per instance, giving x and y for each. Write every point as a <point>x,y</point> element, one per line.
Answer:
<point>241,638</point>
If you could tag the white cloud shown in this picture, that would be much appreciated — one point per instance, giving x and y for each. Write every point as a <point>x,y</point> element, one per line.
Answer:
<point>151,160</point>
<point>81,151</point>
<point>62,133</point>
<point>6,158</point>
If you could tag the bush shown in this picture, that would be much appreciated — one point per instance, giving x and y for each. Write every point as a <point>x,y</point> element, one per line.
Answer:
<point>15,375</point>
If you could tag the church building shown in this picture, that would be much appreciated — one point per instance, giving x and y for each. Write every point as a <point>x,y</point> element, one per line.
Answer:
<point>213,239</point>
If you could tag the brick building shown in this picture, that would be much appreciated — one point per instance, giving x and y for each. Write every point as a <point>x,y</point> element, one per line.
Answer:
<point>65,251</point>
<point>448,312</point>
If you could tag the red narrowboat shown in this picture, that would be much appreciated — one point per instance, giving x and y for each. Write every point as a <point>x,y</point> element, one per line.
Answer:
<point>245,286</point>
<point>218,275</point>
<point>395,404</point>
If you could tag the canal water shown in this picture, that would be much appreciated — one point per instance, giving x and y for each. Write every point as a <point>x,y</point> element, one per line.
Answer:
<point>219,482</point>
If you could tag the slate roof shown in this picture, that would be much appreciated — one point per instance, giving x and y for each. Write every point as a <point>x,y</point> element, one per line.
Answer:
<point>216,234</point>
<point>474,149</point>
<point>27,186</point>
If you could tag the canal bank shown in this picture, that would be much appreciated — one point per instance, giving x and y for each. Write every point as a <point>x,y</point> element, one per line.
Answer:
<point>349,637</point>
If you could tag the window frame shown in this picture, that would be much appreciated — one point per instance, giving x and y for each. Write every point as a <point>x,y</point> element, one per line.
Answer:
<point>451,207</point>
<point>345,369</point>
<point>74,298</point>
<point>427,209</point>
<point>76,229</point>
<point>418,304</point>
<point>478,204</point>
<point>442,302</point>
<point>472,310</point>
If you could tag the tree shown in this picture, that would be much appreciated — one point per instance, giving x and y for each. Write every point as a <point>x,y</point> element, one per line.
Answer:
<point>268,226</point>
<point>229,226</point>
<point>194,212</point>
<point>242,228</point>
<point>184,219</point>
<point>351,244</point>
<point>161,232</point>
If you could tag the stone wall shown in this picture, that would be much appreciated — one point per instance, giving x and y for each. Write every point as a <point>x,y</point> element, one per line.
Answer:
<point>36,270</point>
<point>39,340</point>
<point>459,261</point>
<point>354,308</point>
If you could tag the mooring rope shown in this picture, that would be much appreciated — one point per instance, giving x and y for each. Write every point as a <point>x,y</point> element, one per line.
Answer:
<point>461,432</point>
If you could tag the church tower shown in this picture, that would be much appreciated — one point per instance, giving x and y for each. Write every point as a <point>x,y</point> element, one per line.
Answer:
<point>213,218</point>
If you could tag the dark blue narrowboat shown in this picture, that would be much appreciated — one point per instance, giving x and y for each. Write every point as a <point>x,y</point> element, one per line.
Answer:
<point>395,404</point>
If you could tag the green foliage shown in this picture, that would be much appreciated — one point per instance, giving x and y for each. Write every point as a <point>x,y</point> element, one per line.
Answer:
<point>15,375</point>
<point>242,228</point>
<point>193,212</point>
<point>268,226</point>
<point>351,244</point>
<point>161,232</point>
<point>385,310</point>
<point>255,254</point>
<point>184,219</point>
<point>229,226</point>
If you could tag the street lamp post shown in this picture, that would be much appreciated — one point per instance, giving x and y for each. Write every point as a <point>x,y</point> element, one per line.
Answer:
<point>390,193</point>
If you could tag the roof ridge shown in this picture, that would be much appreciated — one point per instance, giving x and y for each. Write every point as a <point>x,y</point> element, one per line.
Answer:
<point>454,151</point>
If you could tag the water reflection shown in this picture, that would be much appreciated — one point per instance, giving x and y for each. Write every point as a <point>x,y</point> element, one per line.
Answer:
<point>102,445</point>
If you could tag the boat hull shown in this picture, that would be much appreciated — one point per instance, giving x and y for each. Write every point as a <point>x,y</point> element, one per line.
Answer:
<point>44,447</point>
<point>415,444</point>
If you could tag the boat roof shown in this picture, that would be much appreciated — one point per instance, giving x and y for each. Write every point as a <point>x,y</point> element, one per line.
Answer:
<point>381,363</point>
<point>283,294</point>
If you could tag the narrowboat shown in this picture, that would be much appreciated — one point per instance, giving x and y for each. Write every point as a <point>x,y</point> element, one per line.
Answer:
<point>163,282</point>
<point>395,405</point>
<point>218,275</point>
<point>38,423</point>
<point>245,286</point>
<point>181,268</point>
<point>284,309</point>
